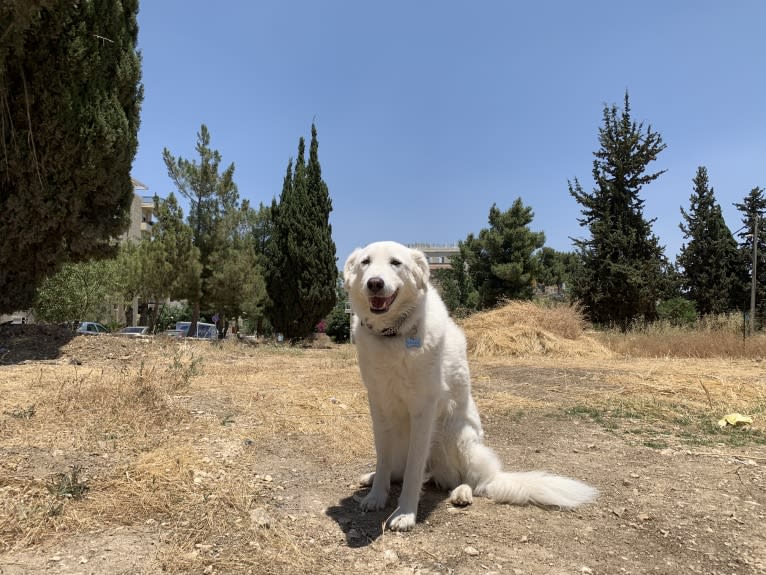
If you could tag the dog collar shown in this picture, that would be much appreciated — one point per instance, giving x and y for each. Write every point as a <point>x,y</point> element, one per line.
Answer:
<point>391,331</point>
<point>411,341</point>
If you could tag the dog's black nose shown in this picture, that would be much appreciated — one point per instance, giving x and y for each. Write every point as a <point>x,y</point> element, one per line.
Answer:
<point>375,284</point>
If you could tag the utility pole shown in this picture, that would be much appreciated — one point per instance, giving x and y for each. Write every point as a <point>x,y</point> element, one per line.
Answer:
<point>753,279</point>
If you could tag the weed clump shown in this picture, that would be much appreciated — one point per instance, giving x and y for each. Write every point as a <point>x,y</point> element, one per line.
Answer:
<point>68,484</point>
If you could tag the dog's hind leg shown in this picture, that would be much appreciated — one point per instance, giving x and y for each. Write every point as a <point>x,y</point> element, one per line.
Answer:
<point>461,496</point>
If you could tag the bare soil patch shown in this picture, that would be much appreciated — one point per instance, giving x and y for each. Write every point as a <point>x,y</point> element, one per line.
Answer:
<point>233,458</point>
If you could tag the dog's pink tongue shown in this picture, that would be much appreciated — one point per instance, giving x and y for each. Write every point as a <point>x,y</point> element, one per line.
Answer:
<point>378,302</point>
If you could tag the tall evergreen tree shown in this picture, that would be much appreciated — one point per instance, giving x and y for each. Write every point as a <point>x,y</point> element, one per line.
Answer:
<point>301,266</point>
<point>622,275</point>
<point>710,259</point>
<point>322,282</point>
<point>753,209</point>
<point>212,195</point>
<point>70,97</point>
<point>501,260</point>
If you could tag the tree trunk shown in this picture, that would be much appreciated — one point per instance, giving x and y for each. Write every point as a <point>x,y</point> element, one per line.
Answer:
<point>194,320</point>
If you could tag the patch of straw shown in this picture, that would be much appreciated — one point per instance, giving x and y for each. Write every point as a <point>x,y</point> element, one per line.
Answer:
<point>523,328</point>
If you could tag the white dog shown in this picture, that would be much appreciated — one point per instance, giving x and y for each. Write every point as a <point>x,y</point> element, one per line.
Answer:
<point>413,362</point>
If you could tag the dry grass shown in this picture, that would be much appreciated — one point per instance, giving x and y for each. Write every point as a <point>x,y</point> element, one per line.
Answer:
<point>685,344</point>
<point>719,336</point>
<point>522,328</point>
<point>196,442</point>
<point>171,435</point>
<point>78,412</point>
<point>652,372</point>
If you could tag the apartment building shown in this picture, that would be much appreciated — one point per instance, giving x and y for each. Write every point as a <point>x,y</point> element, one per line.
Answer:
<point>438,255</point>
<point>141,213</point>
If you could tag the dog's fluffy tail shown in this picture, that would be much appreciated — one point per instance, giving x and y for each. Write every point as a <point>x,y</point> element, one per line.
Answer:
<point>520,488</point>
<point>539,488</point>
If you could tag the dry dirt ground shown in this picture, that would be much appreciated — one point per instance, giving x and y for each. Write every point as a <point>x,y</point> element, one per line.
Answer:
<point>157,456</point>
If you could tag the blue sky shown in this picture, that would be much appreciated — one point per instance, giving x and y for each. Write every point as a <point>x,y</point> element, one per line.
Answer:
<point>428,112</point>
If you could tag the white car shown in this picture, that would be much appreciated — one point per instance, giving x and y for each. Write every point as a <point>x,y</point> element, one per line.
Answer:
<point>204,330</point>
<point>91,328</point>
<point>133,331</point>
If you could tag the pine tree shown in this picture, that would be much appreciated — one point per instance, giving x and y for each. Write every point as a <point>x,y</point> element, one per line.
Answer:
<point>301,266</point>
<point>163,266</point>
<point>623,264</point>
<point>69,112</point>
<point>501,260</point>
<point>236,285</point>
<point>710,260</point>
<point>170,260</point>
<point>212,196</point>
<point>753,210</point>
<point>555,269</point>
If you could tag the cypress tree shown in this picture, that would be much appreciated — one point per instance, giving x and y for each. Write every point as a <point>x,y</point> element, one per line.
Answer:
<point>301,268</point>
<point>622,273</point>
<point>69,112</point>
<point>321,282</point>
<point>710,259</point>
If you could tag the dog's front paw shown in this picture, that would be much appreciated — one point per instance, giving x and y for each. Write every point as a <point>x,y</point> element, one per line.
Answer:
<point>374,501</point>
<point>401,521</point>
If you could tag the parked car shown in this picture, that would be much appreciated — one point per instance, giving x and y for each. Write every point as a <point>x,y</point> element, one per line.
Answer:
<point>204,330</point>
<point>133,331</point>
<point>91,328</point>
<point>174,333</point>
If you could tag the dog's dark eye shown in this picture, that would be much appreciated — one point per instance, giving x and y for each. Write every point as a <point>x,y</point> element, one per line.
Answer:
<point>395,262</point>
<point>366,261</point>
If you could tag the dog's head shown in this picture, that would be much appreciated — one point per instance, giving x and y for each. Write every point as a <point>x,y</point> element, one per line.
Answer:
<point>385,280</point>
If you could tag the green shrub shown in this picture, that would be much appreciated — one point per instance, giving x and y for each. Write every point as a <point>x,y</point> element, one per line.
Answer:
<point>678,311</point>
<point>338,324</point>
<point>170,314</point>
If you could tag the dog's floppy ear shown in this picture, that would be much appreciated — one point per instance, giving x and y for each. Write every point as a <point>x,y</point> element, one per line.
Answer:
<point>420,271</point>
<point>348,268</point>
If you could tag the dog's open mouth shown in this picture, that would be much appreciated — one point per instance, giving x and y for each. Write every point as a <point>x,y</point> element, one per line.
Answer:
<point>381,304</point>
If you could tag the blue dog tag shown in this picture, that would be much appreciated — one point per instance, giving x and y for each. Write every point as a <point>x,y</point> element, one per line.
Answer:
<point>411,342</point>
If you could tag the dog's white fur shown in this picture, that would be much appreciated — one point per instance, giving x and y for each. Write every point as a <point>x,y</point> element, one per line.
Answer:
<point>413,362</point>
